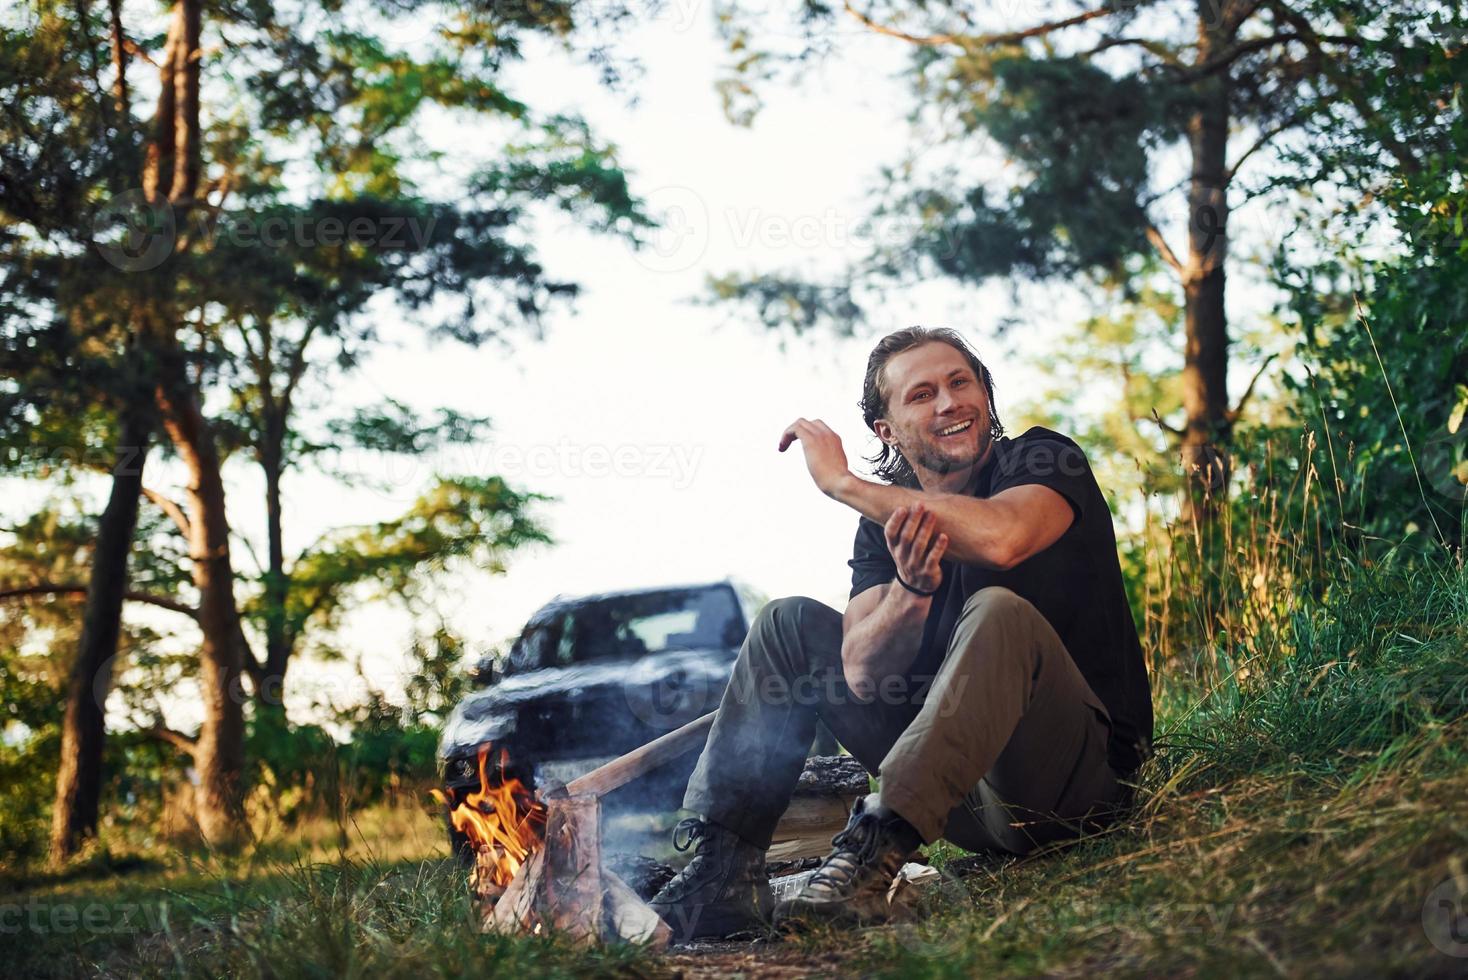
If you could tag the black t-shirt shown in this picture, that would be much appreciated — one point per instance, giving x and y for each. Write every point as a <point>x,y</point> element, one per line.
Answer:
<point>1075,584</point>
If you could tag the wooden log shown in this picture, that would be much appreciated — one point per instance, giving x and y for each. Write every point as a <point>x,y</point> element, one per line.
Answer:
<point>628,918</point>
<point>808,825</point>
<point>573,876</point>
<point>564,887</point>
<point>819,808</point>
<point>642,760</point>
<point>832,775</point>
<point>516,909</point>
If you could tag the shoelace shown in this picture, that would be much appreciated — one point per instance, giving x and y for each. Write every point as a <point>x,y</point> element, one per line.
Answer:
<point>857,843</point>
<point>687,831</point>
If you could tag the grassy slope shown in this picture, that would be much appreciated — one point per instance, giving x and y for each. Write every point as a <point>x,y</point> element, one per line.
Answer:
<point>1294,822</point>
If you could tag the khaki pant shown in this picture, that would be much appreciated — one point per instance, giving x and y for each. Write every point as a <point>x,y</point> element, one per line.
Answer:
<point>1004,748</point>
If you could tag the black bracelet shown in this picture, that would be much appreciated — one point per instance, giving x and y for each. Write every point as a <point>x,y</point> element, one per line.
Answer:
<point>914,591</point>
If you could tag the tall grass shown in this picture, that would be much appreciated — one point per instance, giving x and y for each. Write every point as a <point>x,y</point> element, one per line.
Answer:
<point>1274,629</point>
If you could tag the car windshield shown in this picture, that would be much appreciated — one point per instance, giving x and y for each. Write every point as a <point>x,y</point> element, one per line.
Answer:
<point>630,626</point>
<point>651,622</point>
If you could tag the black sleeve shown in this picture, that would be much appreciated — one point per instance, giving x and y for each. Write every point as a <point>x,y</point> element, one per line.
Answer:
<point>1050,460</point>
<point>871,563</point>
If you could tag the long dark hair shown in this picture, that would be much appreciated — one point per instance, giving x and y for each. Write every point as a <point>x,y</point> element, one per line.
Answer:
<point>888,464</point>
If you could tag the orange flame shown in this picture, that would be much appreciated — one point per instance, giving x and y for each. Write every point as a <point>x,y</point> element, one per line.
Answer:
<point>503,819</point>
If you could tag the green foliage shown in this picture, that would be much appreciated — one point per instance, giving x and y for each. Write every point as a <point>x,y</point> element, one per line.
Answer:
<point>1083,138</point>
<point>29,741</point>
<point>37,639</point>
<point>785,301</point>
<point>392,427</point>
<point>1386,393</point>
<point>391,750</point>
<point>1384,329</point>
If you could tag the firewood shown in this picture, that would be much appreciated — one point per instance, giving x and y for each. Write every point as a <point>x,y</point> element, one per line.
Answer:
<point>832,775</point>
<point>564,887</point>
<point>515,910</point>
<point>573,882</point>
<point>824,795</point>
<point>630,919</point>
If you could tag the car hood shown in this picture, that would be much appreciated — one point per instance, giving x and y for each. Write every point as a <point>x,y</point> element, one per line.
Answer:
<point>491,715</point>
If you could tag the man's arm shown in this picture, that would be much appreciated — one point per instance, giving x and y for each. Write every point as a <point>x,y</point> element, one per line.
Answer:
<point>883,628</point>
<point>997,532</point>
<point>881,633</point>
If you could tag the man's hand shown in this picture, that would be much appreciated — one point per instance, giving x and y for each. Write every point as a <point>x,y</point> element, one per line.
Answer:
<point>824,456</point>
<point>916,550</point>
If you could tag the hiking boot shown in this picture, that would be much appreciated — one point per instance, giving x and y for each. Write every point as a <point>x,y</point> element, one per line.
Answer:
<point>723,890</point>
<point>850,887</point>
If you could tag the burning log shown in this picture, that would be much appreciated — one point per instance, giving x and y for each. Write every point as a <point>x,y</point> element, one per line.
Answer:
<point>502,818</point>
<point>561,887</point>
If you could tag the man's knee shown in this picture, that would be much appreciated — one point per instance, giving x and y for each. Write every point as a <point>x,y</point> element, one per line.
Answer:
<point>992,613</point>
<point>777,614</point>
<point>997,601</point>
<point>796,632</point>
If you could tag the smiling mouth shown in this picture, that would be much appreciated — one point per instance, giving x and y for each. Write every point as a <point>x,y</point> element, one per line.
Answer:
<point>954,430</point>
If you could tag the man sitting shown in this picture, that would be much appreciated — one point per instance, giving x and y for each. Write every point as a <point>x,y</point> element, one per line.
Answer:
<point>987,667</point>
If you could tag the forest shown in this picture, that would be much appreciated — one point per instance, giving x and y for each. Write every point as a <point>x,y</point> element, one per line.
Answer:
<point>214,216</point>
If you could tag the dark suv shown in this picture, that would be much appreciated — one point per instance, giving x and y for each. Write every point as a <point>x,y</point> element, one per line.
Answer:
<point>593,677</point>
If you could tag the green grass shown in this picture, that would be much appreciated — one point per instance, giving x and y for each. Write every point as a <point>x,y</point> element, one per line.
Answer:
<point>1301,809</point>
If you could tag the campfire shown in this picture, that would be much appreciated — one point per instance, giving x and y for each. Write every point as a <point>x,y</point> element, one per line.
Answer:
<point>538,861</point>
<point>502,819</point>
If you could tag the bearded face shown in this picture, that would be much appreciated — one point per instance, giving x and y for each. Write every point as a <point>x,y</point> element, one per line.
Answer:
<point>937,411</point>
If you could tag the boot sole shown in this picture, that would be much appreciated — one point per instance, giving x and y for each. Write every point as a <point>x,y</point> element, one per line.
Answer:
<point>710,922</point>
<point>795,913</point>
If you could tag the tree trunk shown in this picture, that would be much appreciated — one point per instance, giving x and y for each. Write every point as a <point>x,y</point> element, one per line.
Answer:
<point>1205,360</point>
<point>159,165</point>
<point>79,774</point>
<point>220,754</point>
<point>186,135</point>
<point>277,585</point>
